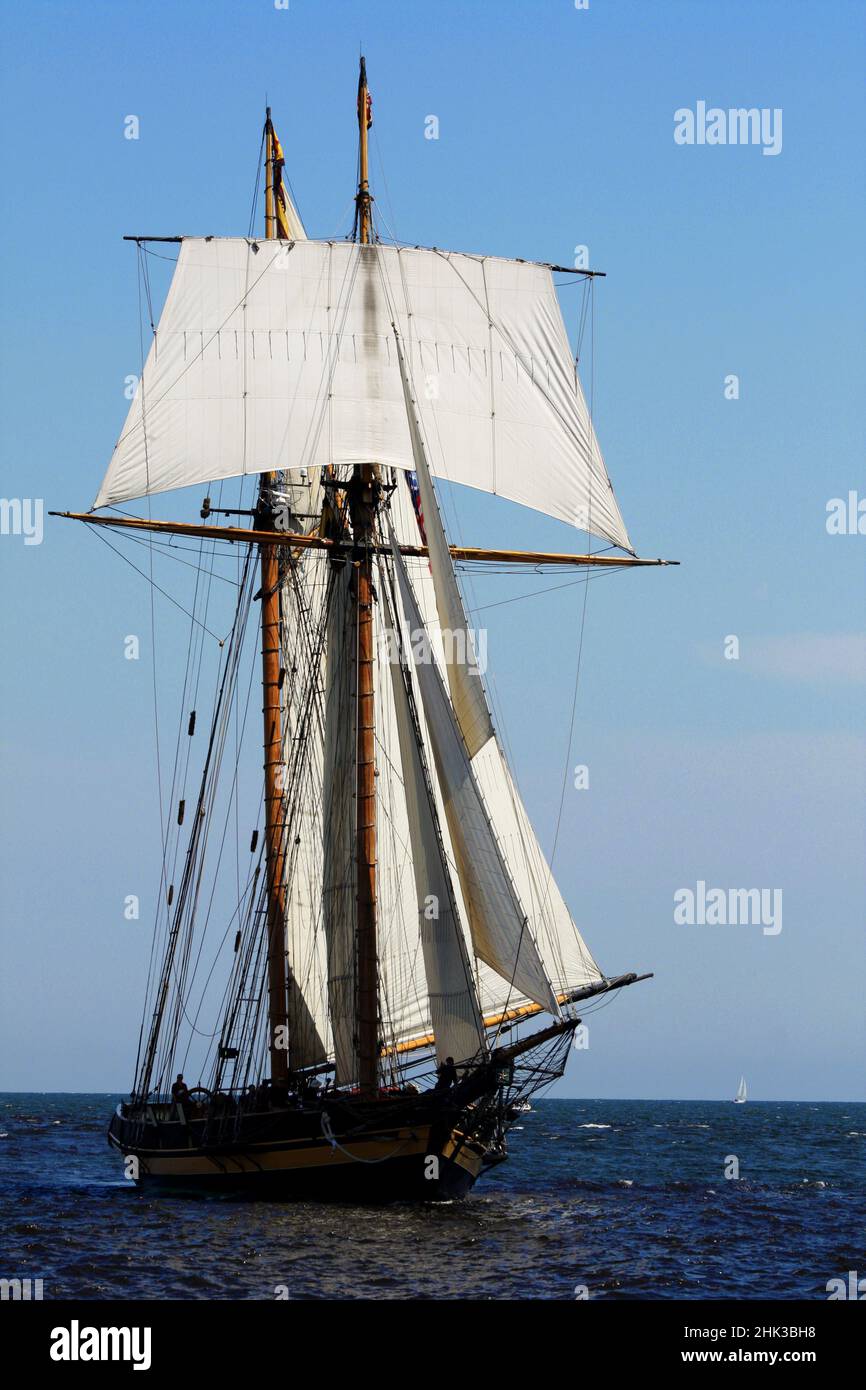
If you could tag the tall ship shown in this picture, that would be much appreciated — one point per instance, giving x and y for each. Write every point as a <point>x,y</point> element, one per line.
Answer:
<point>359,1006</point>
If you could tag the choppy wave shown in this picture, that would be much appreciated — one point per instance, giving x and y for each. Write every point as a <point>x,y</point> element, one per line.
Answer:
<point>626,1218</point>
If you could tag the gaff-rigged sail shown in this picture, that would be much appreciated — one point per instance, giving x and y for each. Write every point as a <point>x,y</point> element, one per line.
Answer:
<point>280,355</point>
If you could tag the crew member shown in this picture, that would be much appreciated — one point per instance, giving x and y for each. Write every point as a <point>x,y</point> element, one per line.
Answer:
<point>447,1075</point>
<point>180,1092</point>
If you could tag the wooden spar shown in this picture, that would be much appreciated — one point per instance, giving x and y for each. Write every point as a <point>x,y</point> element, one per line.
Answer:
<point>526,1010</point>
<point>270,538</point>
<point>278,1015</point>
<point>270,215</point>
<point>574,270</point>
<point>362,496</point>
<point>546,265</point>
<point>535,557</point>
<point>515,1049</point>
<point>362,198</point>
<point>571,996</point>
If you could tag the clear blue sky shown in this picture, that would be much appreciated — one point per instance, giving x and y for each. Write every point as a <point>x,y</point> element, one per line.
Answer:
<point>556,129</point>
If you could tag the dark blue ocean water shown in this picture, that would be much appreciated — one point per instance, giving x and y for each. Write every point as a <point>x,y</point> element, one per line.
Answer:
<point>626,1198</point>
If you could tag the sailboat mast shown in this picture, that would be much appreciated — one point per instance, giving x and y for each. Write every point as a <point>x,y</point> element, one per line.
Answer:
<point>363,199</point>
<point>363,496</point>
<point>273,730</point>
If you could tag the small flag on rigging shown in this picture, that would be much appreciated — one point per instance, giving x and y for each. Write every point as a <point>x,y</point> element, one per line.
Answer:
<point>280,199</point>
<point>365,101</point>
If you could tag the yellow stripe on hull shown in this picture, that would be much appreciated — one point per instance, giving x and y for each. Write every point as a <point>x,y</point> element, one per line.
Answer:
<point>303,1156</point>
<point>265,1158</point>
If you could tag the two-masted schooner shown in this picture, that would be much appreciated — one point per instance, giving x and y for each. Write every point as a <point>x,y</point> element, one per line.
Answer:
<point>398,932</point>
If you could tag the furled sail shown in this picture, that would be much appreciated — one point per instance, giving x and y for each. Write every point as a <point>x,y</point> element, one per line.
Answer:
<point>281,355</point>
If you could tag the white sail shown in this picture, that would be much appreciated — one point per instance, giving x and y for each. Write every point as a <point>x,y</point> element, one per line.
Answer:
<point>423,984</point>
<point>501,933</point>
<point>303,606</point>
<point>568,961</point>
<point>425,981</point>
<point>464,676</point>
<point>741,1096</point>
<point>339,885</point>
<point>425,975</point>
<point>404,984</point>
<point>293,218</point>
<point>281,355</point>
<point>454,1013</point>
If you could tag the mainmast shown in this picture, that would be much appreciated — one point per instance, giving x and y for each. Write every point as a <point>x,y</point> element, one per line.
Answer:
<point>363,498</point>
<point>278,1016</point>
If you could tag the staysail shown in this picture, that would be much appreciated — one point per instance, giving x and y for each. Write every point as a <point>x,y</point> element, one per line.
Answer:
<point>455,1016</point>
<point>501,932</point>
<point>568,963</point>
<point>281,355</point>
<point>461,664</point>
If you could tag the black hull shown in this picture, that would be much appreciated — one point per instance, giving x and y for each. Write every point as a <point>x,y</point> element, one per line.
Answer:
<point>419,1149</point>
<point>395,1180</point>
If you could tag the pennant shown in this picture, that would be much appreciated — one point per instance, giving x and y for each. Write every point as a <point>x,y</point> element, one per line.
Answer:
<point>281,205</point>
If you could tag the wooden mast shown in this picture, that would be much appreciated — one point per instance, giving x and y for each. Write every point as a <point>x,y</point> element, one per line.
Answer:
<point>363,496</point>
<point>362,198</point>
<point>278,1016</point>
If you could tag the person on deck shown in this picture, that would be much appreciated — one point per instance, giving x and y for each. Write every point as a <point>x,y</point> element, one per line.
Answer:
<point>180,1093</point>
<point>447,1075</point>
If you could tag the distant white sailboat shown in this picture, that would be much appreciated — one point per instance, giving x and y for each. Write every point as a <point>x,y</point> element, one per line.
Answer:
<point>740,1098</point>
